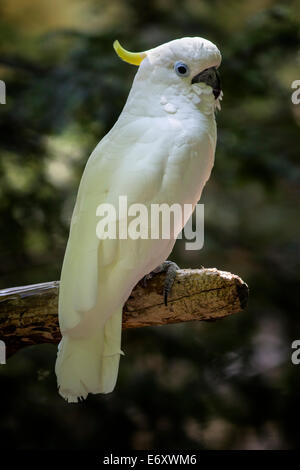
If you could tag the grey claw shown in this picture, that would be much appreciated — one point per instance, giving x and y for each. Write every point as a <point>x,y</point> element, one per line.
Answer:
<point>146,279</point>
<point>170,269</point>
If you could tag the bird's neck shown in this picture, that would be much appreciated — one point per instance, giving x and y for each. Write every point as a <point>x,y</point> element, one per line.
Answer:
<point>164,101</point>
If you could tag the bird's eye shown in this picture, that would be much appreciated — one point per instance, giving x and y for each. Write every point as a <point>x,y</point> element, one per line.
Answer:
<point>181,69</point>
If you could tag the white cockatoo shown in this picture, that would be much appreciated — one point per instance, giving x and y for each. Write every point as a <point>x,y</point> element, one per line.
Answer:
<point>161,150</point>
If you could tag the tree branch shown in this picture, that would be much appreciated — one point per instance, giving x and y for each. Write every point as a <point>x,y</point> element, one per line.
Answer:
<point>28,314</point>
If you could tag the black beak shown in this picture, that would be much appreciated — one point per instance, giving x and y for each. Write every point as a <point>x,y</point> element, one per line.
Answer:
<point>212,78</point>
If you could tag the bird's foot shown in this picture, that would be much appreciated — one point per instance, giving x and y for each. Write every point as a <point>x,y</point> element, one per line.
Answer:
<point>170,268</point>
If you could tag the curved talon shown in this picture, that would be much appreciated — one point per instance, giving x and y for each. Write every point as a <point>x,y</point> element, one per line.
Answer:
<point>170,268</point>
<point>146,278</point>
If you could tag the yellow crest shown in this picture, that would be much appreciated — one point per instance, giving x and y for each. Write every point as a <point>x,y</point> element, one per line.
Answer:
<point>134,58</point>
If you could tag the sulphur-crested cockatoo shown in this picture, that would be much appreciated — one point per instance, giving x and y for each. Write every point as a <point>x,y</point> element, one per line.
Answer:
<point>161,150</point>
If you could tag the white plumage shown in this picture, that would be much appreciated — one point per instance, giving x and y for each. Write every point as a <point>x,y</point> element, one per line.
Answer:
<point>161,150</point>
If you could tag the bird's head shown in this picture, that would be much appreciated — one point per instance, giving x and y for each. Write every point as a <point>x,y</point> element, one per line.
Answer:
<point>188,66</point>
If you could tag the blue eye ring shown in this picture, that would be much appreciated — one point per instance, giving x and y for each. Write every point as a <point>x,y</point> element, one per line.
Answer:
<point>181,69</point>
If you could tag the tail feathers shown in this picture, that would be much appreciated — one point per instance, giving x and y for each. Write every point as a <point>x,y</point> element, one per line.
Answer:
<point>78,366</point>
<point>89,365</point>
<point>111,352</point>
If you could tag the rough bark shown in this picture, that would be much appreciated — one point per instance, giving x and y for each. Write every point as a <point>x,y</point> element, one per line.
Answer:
<point>28,314</point>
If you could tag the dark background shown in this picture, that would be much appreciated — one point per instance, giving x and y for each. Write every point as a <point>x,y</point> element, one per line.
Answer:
<point>223,385</point>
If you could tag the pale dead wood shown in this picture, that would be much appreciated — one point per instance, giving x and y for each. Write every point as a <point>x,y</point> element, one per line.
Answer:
<point>28,314</point>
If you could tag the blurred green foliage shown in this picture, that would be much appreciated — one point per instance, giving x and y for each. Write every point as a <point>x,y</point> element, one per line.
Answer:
<point>228,384</point>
